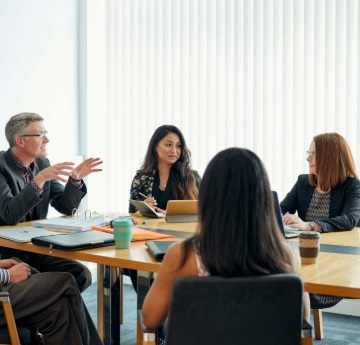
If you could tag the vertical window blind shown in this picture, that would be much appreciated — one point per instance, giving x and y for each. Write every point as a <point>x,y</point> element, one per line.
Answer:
<point>267,75</point>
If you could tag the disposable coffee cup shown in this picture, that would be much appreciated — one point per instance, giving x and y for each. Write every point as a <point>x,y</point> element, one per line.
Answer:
<point>122,232</point>
<point>309,247</point>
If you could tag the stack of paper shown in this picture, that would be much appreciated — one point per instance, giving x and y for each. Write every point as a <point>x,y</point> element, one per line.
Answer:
<point>78,223</point>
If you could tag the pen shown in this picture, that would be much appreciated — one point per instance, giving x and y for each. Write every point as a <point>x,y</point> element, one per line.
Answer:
<point>146,197</point>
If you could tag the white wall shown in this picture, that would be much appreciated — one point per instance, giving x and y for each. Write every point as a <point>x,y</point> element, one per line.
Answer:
<point>39,68</point>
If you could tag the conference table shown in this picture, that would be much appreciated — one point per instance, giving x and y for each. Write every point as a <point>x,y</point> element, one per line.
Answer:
<point>337,271</point>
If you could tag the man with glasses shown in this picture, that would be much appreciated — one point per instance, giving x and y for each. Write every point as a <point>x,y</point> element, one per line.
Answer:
<point>28,184</point>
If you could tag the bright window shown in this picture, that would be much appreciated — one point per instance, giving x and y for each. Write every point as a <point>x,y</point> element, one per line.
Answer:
<point>266,75</point>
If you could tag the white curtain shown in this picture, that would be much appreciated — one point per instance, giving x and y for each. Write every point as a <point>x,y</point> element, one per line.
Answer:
<point>267,75</point>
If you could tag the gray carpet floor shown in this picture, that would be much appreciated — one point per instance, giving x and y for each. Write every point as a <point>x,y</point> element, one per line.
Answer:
<point>338,329</point>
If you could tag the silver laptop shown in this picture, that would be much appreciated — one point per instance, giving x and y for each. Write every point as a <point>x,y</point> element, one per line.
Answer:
<point>24,233</point>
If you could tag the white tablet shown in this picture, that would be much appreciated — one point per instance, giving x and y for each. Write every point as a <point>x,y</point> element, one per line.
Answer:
<point>145,209</point>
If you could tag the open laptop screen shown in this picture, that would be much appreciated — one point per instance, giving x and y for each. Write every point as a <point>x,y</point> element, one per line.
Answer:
<point>279,217</point>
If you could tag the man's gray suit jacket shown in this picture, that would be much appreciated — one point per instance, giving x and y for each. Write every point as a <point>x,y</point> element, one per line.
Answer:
<point>16,199</point>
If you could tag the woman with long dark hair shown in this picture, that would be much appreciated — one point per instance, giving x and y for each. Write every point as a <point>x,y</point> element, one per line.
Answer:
<point>238,235</point>
<point>166,173</point>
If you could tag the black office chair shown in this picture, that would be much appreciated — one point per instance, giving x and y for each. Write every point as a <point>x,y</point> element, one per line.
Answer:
<point>10,334</point>
<point>248,311</point>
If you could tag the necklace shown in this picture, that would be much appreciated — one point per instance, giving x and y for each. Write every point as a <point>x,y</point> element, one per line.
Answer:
<point>165,183</point>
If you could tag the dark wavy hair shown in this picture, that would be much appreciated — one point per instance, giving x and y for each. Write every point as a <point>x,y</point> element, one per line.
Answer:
<point>334,161</point>
<point>184,184</point>
<point>239,234</point>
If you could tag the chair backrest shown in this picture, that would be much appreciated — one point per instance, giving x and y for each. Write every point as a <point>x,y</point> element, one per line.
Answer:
<point>247,311</point>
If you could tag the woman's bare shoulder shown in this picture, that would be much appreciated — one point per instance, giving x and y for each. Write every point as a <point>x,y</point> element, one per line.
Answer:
<point>175,257</point>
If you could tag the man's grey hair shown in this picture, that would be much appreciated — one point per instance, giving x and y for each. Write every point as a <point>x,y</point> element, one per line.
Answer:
<point>17,125</point>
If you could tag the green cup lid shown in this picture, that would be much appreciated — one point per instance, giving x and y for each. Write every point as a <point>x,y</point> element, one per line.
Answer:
<point>122,222</point>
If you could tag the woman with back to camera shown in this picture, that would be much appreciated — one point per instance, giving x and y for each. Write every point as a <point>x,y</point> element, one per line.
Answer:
<point>166,173</point>
<point>328,198</point>
<point>237,213</point>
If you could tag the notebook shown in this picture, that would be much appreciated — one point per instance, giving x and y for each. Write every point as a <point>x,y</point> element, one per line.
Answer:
<point>145,209</point>
<point>76,240</point>
<point>158,248</point>
<point>287,234</point>
<point>24,233</point>
<point>182,211</point>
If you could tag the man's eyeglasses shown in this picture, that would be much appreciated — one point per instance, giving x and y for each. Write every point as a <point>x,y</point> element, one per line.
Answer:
<point>310,155</point>
<point>40,135</point>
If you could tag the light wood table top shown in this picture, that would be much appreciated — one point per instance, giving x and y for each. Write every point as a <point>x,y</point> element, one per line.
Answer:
<point>342,238</point>
<point>334,274</point>
<point>337,271</point>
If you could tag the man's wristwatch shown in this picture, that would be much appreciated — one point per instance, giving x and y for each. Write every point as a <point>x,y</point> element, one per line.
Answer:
<point>312,226</point>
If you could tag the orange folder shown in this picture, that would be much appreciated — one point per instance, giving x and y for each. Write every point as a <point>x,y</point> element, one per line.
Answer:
<point>137,233</point>
<point>103,229</point>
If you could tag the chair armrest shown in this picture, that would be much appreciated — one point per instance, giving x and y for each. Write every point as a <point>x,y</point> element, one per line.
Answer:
<point>9,316</point>
<point>146,336</point>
